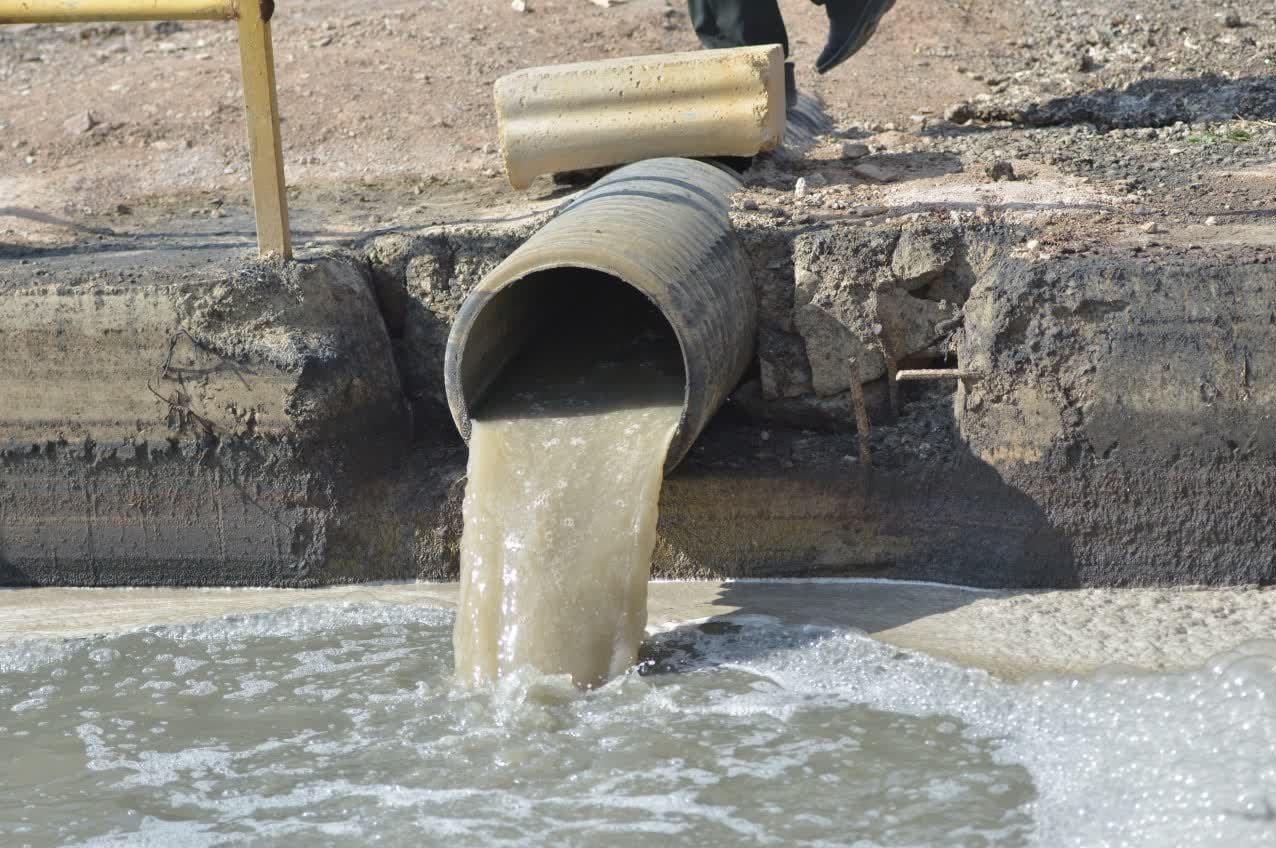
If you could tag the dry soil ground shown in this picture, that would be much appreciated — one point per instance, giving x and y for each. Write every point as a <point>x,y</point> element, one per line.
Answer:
<point>1147,123</point>
<point>390,100</point>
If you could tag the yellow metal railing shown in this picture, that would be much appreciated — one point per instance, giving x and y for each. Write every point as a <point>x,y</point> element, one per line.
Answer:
<point>256,56</point>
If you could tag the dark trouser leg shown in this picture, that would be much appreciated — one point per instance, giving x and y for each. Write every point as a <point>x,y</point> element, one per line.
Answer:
<point>738,23</point>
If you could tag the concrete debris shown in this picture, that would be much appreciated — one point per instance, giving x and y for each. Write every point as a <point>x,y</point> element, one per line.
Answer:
<point>922,255</point>
<point>566,118</point>
<point>1152,228</point>
<point>852,296</point>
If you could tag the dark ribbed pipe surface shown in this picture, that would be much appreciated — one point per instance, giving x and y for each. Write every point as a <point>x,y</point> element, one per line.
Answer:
<point>662,227</point>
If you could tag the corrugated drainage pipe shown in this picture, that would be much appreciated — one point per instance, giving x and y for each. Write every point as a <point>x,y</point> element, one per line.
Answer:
<point>662,227</point>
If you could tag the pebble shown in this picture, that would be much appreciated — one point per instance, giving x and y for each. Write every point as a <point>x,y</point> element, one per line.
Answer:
<point>1211,221</point>
<point>876,173</point>
<point>1152,227</point>
<point>854,150</point>
<point>1001,170</point>
<point>80,124</point>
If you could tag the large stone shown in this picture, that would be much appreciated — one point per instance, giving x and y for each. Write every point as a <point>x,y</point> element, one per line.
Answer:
<point>231,424</point>
<point>922,254</point>
<point>782,365</point>
<point>1135,414</point>
<point>847,303</point>
<point>421,280</point>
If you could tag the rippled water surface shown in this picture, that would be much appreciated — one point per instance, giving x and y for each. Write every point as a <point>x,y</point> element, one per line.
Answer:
<point>339,725</point>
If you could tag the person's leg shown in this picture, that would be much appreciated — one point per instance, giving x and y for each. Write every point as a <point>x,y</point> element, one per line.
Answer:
<point>851,24</point>
<point>738,23</point>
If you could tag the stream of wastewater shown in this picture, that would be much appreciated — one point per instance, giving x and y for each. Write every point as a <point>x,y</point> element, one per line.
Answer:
<point>566,461</point>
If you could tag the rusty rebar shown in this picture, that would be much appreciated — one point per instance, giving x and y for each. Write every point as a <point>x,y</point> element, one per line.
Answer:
<point>861,413</point>
<point>892,368</point>
<point>907,374</point>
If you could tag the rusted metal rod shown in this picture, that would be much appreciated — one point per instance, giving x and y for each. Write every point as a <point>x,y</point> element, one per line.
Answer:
<point>861,413</point>
<point>892,368</point>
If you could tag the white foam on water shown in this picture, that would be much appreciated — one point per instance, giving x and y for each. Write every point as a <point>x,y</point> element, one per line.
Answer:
<point>754,733</point>
<point>1117,758</point>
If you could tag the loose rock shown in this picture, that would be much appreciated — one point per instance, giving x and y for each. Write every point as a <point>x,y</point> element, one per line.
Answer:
<point>1002,170</point>
<point>874,172</point>
<point>80,124</point>
<point>854,150</point>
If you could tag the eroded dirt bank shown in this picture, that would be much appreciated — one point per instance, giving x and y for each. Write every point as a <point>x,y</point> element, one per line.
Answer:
<point>1075,215</point>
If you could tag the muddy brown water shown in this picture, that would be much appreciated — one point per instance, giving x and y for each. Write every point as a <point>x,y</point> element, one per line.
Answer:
<point>566,461</point>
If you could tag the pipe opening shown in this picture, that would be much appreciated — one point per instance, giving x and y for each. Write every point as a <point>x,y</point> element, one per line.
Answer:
<point>569,326</point>
<point>656,232</point>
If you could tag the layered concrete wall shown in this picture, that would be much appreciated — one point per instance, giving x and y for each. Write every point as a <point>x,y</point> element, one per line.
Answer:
<point>231,423</point>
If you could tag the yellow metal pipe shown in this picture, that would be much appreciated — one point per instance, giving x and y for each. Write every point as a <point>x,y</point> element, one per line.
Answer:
<point>80,11</point>
<point>256,53</point>
<point>265,149</point>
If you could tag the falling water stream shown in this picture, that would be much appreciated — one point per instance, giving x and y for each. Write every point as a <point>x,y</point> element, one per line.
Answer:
<point>566,461</point>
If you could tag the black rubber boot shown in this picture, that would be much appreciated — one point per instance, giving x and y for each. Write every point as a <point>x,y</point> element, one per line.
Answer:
<point>851,24</point>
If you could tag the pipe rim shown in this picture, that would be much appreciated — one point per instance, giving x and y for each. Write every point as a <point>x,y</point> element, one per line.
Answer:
<point>519,272</point>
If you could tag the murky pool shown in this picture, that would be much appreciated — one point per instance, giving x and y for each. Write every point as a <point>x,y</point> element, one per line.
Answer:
<point>338,724</point>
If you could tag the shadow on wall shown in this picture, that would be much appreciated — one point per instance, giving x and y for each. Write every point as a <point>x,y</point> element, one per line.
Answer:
<point>943,518</point>
<point>794,503</point>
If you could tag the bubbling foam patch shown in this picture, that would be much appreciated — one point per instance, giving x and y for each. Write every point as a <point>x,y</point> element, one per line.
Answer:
<point>340,724</point>
<point>1117,758</point>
